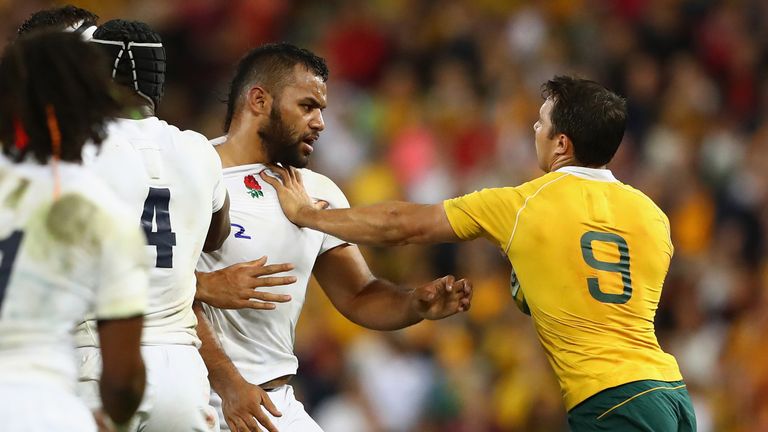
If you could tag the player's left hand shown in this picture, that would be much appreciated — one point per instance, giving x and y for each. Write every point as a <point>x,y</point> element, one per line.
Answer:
<point>442,298</point>
<point>294,200</point>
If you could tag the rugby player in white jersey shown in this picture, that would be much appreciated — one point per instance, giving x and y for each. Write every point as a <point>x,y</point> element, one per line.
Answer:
<point>274,116</point>
<point>172,182</point>
<point>67,247</point>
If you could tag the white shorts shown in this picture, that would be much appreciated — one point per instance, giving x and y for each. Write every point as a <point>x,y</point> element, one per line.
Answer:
<point>294,418</point>
<point>38,408</point>
<point>176,397</point>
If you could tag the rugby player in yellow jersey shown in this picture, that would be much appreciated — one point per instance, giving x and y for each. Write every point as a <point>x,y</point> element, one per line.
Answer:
<point>589,256</point>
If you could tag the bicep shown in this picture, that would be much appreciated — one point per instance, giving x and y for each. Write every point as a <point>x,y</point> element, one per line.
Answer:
<point>431,224</point>
<point>342,273</point>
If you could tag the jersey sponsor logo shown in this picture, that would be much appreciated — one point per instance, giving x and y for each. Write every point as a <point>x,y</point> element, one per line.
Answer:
<point>254,188</point>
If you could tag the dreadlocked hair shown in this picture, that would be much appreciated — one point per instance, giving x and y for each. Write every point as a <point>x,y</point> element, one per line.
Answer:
<point>58,18</point>
<point>54,72</point>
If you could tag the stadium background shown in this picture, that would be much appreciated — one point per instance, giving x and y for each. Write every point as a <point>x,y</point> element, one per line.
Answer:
<point>429,99</point>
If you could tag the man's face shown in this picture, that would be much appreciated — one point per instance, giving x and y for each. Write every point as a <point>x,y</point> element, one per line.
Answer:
<point>545,141</point>
<point>295,120</point>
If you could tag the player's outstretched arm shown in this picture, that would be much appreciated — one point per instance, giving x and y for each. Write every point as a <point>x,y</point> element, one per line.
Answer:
<point>390,223</point>
<point>378,304</point>
<point>235,287</point>
<point>219,229</point>
<point>241,401</point>
<point>123,375</point>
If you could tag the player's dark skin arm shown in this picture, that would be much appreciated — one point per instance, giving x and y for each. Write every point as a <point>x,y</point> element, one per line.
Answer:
<point>123,375</point>
<point>378,304</point>
<point>386,224</point>
<point>219,229</point>
<point>241,401</point>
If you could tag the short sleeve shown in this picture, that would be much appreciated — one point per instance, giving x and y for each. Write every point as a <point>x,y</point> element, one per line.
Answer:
<point>489,213</point>
<point>219,188</point>
<point>123,272</point>
<point>320,187</point>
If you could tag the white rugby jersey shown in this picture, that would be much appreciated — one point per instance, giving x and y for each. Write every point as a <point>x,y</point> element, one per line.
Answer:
<point>59,261</point>
<point>260,343</point>
<point>172,182</point>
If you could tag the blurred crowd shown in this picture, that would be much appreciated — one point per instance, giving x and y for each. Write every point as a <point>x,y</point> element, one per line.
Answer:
<point>430,99</point>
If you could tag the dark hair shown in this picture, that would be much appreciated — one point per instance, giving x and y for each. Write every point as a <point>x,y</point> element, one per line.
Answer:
<point>58,18</point>
<point>592,116</point>
<point>140,68</point>
<point>270,66</point>
<point>57,70</point>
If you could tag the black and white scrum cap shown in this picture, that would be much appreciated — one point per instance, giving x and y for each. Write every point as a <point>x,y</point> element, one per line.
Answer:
<point>138,57</point>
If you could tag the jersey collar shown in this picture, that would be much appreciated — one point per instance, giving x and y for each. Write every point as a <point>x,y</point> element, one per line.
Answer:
<point>597,174</point>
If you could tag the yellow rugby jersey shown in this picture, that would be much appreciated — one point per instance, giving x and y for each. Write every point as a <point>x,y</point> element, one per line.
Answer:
<point>589,255</point>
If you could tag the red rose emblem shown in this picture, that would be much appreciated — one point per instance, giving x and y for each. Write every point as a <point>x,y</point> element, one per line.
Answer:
<point>251,183</point>
<point>254,188</point>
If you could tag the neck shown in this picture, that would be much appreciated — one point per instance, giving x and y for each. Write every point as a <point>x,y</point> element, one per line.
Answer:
<point>138,112</point>
<point>568,160</point>
<point>242,147</point>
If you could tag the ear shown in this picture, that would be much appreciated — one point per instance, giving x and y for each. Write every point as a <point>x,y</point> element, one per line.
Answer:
<point>259,101</point>
<point>564,145</point>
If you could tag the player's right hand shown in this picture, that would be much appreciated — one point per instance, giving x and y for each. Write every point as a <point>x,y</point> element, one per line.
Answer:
<point>242,406</point>
<point>235,287</point>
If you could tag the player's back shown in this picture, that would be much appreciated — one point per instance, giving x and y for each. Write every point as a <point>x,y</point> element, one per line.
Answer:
<point>60,259</point>
<point>590,255</point>
<point>171,180</point>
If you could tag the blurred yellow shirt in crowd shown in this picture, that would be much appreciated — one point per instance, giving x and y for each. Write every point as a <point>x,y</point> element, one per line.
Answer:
<point>589,257</point>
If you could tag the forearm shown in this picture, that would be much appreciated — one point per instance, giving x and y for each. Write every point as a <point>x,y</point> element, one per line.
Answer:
<point>389,223</point>
<point>121,400</point>
<point>221,372</point>
<point>381,305</point>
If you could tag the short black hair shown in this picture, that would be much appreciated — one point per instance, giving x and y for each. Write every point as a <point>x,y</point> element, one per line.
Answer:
<point>58,70</point>
<point>271,66</point>
<point>140,68</point>
<point>593,117</point>
<point>58,18</point>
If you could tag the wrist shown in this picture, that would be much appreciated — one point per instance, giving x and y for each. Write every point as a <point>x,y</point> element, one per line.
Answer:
<point>201,282</point>
<point>305,215</point>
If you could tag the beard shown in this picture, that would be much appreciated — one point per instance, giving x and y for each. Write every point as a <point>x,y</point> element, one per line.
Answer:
<point>282,143</point>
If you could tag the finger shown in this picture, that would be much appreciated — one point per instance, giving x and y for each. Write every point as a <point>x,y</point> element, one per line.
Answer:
<point>259,262</point>
<point>266,296</point>
<point>271,180</point>
<point>282,172</point>
<point>270,269</point>
<point>236,424</point>
<point>298,177</point>
<point>448,283</point>
<point>254,304</point>
<point>270,406</point>
<point>265,421</point>
<point>320,205</point>
<point>266,281</point>
<point>253,425</point>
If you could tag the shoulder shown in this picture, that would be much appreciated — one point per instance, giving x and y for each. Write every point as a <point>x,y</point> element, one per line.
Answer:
<point>645,201</point>
<point>539,184</point>
<point>321,187</point>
